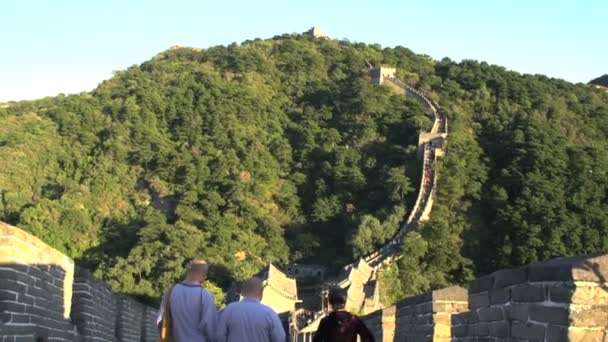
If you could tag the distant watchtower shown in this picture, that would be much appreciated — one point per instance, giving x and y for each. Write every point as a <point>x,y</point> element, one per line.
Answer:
<point>315,32</point>
<point>379,73</point>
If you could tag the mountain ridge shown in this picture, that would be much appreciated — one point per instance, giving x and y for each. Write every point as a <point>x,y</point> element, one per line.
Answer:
<point>280,150</point>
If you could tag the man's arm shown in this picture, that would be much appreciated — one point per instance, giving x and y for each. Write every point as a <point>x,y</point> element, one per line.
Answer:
<point>208,315</point>
<point>277,333</point>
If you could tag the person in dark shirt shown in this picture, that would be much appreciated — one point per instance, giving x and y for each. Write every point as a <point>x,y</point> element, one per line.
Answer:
<point>340,325</point>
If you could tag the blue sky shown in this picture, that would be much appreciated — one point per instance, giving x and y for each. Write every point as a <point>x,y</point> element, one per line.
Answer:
<point>49,47</point>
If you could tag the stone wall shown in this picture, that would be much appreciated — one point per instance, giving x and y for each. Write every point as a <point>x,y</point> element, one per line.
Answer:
<point>43,297</point>
<point>382,324</point>
<point>94,308</point>
<point>428,316</point>
<point>560,300</point>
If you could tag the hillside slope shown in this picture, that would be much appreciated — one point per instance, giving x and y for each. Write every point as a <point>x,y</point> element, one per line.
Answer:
<point>280,150</point>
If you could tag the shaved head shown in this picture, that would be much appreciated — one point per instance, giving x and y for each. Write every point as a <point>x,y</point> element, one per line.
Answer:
<point>252,288</point>
<point>198,268</point>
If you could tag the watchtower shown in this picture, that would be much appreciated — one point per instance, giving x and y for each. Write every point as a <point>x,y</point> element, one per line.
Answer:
<point>380,72</point>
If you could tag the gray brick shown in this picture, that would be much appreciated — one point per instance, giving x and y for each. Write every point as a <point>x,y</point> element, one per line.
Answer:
<point>504,278</point>
<point>528,293</point>
<point>557,334</point>
<point>479,329</point>
<point>490,314</point>
<point>500,296</point>
<point>459,331</point>
<point>479,300</point>
<point>528,331</point>
<point>561,293</point>
<point>481,284</point>
<point>549,314</point>
<point>499,329</point>
<point>8,295</point>
<point>517,312</point>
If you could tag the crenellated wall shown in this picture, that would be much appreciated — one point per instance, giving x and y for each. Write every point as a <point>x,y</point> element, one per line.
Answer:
<point>560,300</point>
<point>44,297</point>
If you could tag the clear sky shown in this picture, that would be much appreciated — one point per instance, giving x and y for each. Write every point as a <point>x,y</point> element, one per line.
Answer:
<point>49,47</point>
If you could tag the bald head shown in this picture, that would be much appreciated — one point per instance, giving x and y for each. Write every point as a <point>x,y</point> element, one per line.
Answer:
<point>197,270</point>
<point>252,288</point>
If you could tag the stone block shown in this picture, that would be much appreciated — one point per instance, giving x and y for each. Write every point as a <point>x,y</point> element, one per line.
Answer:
<point>556,333</point>
<point>500,296</point>
<point>517,312</point>
<point>490,314</point>
<point>442,330</point>
<point>450,307</point>
<point>499,329</point>
<point>451,294</point>
<point>589,295</point>
<point>586,335</point>
<point>589,316</point>
<point>505,278</point>
<point>549,314</point>
<point>442,318</point>
<point>479,300</point>
<point>528,293</point>
<point>581,268</point>
<point>478,329</point>
<point>459,330</point>
<point>527,331</point>
<point>424,308</point>
<point>561,293</point>
<point>8,295</point>
<point>481,284</point>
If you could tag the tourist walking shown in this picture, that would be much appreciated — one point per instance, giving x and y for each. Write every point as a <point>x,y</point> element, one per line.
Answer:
<point>340,325</point>
<point>187,312</point>
<point>249,320</point>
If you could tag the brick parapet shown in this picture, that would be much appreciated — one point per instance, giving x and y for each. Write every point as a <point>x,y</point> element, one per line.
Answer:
<point>43,296</point>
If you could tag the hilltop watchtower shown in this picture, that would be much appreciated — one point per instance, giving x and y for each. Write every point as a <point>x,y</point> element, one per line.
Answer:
<point>315,32</point>
<point>380,72</point>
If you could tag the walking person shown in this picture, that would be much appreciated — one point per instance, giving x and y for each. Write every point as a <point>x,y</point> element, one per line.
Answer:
<point>249,320</point>
<point>340,325</point>
<point>187,312</point>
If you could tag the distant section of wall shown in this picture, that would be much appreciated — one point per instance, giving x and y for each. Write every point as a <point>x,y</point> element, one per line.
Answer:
<point>43,299</point>
<point>560,300</point>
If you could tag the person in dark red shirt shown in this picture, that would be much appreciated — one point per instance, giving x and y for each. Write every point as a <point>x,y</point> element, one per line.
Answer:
<point>340,325</point>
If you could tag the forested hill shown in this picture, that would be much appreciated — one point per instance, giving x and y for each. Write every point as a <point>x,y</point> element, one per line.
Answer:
<point>281,150</point>
<point>601,81</point>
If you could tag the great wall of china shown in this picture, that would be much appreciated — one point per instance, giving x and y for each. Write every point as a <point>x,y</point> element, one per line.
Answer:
<point>359,278</point>
<point>45,297</point>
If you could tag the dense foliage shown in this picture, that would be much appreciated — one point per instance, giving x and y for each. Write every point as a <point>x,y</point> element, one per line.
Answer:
<point>281,150</point>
